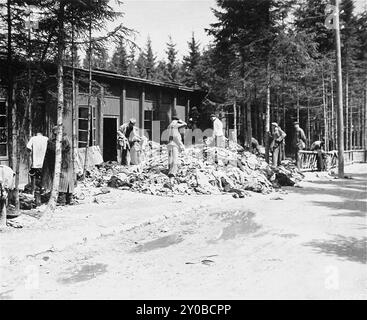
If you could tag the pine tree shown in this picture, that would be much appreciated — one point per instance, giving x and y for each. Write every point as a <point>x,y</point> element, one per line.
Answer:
<point>171,57</point>
<point>120,60</point>
<point>140,66</point>
<point>150,60</point>
<point>162,73</point>
<point>145,65</point>
<point>99,58</point>
<point>191,62</point>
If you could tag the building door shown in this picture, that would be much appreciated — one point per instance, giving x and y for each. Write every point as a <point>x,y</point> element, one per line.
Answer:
<point>109,139</point>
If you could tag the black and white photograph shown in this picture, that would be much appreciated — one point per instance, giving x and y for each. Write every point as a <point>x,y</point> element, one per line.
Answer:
<point>183,150</point>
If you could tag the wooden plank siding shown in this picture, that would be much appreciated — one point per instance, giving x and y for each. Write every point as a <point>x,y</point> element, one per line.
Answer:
<point>120,97</point>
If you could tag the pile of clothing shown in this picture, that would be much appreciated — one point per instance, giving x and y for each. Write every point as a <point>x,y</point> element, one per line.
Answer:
<point>203,170</point>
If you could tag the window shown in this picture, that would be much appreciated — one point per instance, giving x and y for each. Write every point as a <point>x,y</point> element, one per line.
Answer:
<point>3,130</point>
<point>83,127</point>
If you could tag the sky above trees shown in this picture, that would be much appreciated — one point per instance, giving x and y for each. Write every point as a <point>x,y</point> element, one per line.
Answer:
<point>179,18</point>
<point>161,18</point>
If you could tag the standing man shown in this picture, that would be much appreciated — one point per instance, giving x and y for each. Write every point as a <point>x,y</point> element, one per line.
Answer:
<point>218,135</point>
<point>299,142</point>
<point>67,181</point>
<point>277,143</point>
<point>37,145</point>
<point>175,145</point>
<point>127,135</point>
<point>318,146</point>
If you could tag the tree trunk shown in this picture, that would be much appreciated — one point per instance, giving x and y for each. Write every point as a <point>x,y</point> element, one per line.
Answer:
<point>347,111</point>
<point>297,103</point>
<point>15,149</point>
<point>255,119</point>
<point>333,131</point>
<point>89,99</point>
<point>10,85</point>
<point>267,114</point>
<point>326,135</point>
<point>249,124</point>
<point>308,121</point>
<point>73,101</point>
<point>60,110</point>
<point>340,126</point>
<point>10,104</point>
<point>364,126</point>
<point>235,121</point>
<point>261,120</point>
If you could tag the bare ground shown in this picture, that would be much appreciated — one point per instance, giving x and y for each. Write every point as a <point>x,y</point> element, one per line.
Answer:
<point>299,243</point>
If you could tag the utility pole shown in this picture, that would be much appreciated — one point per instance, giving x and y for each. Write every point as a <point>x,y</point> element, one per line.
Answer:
<point>340,126</point>
<point>267,114</point>
<point>235,121</point>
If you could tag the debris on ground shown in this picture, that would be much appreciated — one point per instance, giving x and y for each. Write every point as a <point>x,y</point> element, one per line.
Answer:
<point>26,201</point>
<point>233,171</point>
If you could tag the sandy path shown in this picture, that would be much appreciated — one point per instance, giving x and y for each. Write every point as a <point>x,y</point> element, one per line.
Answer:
<point>301,243</point>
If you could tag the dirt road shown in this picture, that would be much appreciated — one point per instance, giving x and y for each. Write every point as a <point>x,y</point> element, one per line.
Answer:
<point>300,243</point>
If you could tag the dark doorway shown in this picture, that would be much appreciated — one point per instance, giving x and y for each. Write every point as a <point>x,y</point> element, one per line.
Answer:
<point>109,139</point>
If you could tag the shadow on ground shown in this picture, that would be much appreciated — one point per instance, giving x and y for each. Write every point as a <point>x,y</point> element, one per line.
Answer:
<point>348,248</point>
<point>352,195</point>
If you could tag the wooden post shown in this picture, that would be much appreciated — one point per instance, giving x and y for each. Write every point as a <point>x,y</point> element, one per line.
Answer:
<point>173,109</point>
<point>99,116</point>
<point>187,109</point>
<point>123,104</point>
<point>141,109</point>
<point>340,126</point>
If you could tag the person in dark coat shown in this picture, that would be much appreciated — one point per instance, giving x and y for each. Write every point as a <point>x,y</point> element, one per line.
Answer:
<point>277,144</point>
<point>318,146</point>
<point>67,180</point>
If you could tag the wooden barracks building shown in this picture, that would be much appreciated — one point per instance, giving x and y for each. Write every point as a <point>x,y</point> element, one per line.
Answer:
<point>116,98</point>
<point>123,97</point>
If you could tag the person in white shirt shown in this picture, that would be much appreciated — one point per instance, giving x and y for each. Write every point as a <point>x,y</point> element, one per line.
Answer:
<point>218,135</point>
<point>37,145</point>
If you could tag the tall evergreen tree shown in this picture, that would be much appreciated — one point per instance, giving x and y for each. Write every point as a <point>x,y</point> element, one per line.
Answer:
<point>150,60</point>
<point>191,62</point>
<point>120,60</point>
<point>145,65</point>
<point>99,58</point>
<point>171,57</point>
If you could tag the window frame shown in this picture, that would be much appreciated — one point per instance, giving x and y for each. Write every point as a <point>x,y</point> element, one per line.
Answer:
<point>93,123</point>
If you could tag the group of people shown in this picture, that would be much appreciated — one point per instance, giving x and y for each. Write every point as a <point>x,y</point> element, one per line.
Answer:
<point>277,146</point>
<point>130,143</point>
<point>42,166</point>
